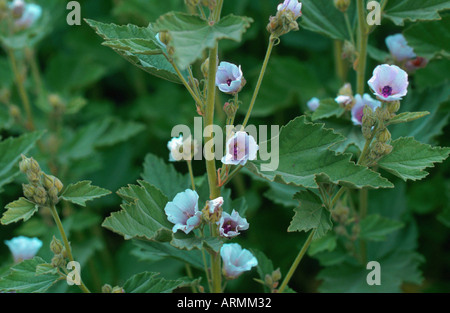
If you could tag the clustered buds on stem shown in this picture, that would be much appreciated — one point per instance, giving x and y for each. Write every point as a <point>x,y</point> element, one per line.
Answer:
<point>43,189</point>
<point>109,289</point>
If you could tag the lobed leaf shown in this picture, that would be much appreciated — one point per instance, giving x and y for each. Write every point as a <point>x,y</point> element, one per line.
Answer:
<point>190,35</point>
<point>306,160</point>
<point>10,151</point>
<point>409,158</point>
<point>82,192</point>
<point>148,282</point>
<point>21,209</point>
<point>311,214</point>
<point>28,276</point>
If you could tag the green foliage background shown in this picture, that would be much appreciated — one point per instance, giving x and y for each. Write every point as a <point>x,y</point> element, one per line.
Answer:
<point>120,114</point>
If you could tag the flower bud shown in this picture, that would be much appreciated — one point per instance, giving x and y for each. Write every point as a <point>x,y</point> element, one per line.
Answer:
<point>25,164</point>
<point>205,68</point>
<point>192,3</point>
<point>58,261</point>
<point>14,112</point>
<point>383,114</point>
<point>384,136</point>
<point>393,107</point>
<point>276,275</point>
<point>56,246</point>
<point>342,5</point>
<point>367,132</point>
<point>268,280</point>
<point>164,37</point>
<point>348,51</point>
<point>346,90</point>
<point>106,288</point>
<point>40,196</point>
<point>211,4</point>
<point>229,109</point>
<point>28,191</point>
<point>117,289</point>
<point>53,195</point>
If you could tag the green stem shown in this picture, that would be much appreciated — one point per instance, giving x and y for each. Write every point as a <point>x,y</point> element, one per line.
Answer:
<point>65,241</point>
<point>34,69</point>
<point>363,39</point>
<point>341,69</point>
<point>189,273</point>
<point>363,200</point>
<point>272,41</point>
<point>233,173</point>
<point>191,174</point>
<point>349,28</point>
<point>184,82</point>
<point>21,89</point>
<point>297,261</point>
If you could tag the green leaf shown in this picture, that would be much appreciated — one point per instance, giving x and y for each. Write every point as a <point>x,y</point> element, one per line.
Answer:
<point>82,192</point>
<point>21,209</point>
<point>154,64</point>
<point>430,40</point>
<point>164,176</point>
<point>400,11</point>
<point>149,250</point>
<point>190,35</point>
<point>305,160</point>
<point>148,282</point>
<point>321,16</point>
<point>325,243</point>
<point>10,151</point>
<point>327,108</point>
<point>375,227</point>
<point>396,268</point>
<point>410,158</point>
<point>142,214</point>
<point>311,214</point>
<point>27,276</point>
<point>136,46</point>
<point>352,133</point>
<point>264,267</point>
<point>407,117</point>
<point>119,131</point>
<point>431,99</point>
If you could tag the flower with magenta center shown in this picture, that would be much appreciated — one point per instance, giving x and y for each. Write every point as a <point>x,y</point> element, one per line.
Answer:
<point>183,211</point>
<point>230,225</point>
<point>399,49</point>
<point>389,83</point>
<point>291,5</point>
<point>240,148</point>
<point>23,248</point>
<point>236,260</point>
<point>360,104</point>
<point>229,78</point>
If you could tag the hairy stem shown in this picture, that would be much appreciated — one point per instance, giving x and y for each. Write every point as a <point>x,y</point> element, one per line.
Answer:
<point>297,261</point>
<point>65,241</point>
<point>272,41</point>
<point>363,39</point>
<point>21,89</point>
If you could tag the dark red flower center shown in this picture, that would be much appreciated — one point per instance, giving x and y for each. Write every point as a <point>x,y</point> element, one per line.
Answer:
<point>386,91</point>
<point>229,82</point>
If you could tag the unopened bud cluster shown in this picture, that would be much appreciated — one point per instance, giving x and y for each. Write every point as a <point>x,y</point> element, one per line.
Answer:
<point>60,253</point>
<point>272,280</point>
<point>109,289</point>
<point>42,189</point>
<point>381,145</point>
